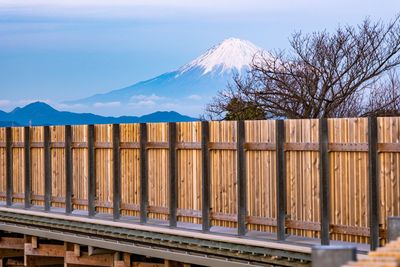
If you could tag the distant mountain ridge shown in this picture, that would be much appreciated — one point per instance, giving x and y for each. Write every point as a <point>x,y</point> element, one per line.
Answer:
<point>187,89</point>
<point>40,113</point>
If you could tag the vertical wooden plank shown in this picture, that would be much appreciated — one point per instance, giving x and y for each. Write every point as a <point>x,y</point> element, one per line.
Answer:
<point>92,172</point>
<point>324,180</point>
<point>373,182</point>
<point>9,157</point>
<point>47,169</point>
<point>27,166</point>
<point>280,179</point>
<point>68,169</point>
<point>173,186</point>
<point>117,172</point>
<point>205,136</point>
<point>144,200</point>
<point>241,178</point>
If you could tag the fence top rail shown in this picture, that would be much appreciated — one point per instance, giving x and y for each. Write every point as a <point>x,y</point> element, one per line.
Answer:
<point>185,122</point>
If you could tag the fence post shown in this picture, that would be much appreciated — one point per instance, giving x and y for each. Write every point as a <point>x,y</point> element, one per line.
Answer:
<point>373,182</point>
<point>143,174</point>
<point>205,136</point>
<point>393,228</point>
<point>332,256</point>
<point>280,179</point>
<point>241,177</point>
<point>47,169</point>
<point>324,180</point>
<point>173,174</point>
<point>27,167</point>
<point>9,178</point>
<point>68,169</point>
<point>92,172</point>
<point>116,173</point>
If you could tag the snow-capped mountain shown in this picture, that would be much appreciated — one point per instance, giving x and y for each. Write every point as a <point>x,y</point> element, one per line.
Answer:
<point>186,90</point>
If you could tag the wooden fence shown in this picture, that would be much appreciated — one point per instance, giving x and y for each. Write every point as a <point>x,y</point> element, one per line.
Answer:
<point>335,179</point>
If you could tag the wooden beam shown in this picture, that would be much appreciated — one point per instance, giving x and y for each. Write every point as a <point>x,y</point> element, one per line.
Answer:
<point>77,250</point>
<point>280,179</point>
<point>116,173</point>
<point>45,250</point>
<point>27,167</point>
<point>12,243</point>
<point>47,169</point>
<point>206,187</point>
<point>42,261</point>
<point>144,193</point>
<point>92,172</point>
<point>68,169</point>
<point>11,253</point>
<point>85,259</point>
<point>9,163</point>
<point>241,178</point>
<point>34,242</point>
<point>324,181</point>
<point>173,174</point>
<point>373,179</point>
<point>97,251</point>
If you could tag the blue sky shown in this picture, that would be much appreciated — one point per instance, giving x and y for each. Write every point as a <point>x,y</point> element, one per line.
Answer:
<point>63,50</point>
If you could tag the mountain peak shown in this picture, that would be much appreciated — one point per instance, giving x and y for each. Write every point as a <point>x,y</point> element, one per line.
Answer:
<point>230,54</point>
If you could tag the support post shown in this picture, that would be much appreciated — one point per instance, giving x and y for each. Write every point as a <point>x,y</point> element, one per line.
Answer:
<point>92,172</point>
<point>332,256</point>
<point>9,178</point>
<point>393,228</point>
<point>324,180</point>
<point>143,174</point>
<point>373,182</point>
<point>241,178</point>
<point>173,174</point>
<point>280,179</point>
<point>68,169</point>
<point>116,172</point>
<point>205,137</point>
<point>27,167</point>
<point>47,169</point>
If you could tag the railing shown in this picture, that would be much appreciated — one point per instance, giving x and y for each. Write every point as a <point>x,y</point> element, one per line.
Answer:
<point>335,179</point>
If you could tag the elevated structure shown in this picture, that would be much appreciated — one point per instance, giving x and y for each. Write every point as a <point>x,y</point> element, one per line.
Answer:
<point>207,193</point>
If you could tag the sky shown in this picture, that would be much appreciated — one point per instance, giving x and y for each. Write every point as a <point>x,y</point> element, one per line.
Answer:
<point>55,51</point>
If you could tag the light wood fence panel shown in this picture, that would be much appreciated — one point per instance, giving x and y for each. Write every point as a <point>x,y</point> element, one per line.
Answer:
<point>18,165</point>
<point>57,134</point>
<point>189,172</point>
<point>80,167</point>
<point>349,177</point>
<point>37,166</point>
<point>158,159</point>
<point>261,175</point>
<point>302,179</point>
<point>348,167</point>
<point>223,174</point>
<point>130,170</point>
<point>104,168</point>
<point>389,162</point>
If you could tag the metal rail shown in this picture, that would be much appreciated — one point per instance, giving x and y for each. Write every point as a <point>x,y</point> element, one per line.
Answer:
<point>153,244</point>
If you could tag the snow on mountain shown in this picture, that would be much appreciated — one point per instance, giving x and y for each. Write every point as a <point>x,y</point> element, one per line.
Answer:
<point>186,90</point>
<point>231,55</point>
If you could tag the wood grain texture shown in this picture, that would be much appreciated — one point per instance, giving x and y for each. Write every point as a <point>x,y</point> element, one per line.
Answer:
<point>348,166</point>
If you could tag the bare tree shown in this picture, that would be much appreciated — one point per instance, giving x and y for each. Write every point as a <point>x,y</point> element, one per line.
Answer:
<point>340,74</point>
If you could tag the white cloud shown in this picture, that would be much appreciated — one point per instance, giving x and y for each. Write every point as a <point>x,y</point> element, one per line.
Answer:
<point>152,97</point>
<point>70,106</point>
<point>5,103</point>
<point>107,104</point>
<point>194,97</point>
